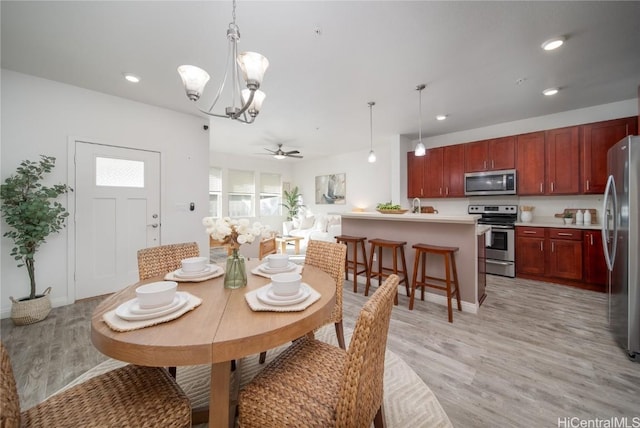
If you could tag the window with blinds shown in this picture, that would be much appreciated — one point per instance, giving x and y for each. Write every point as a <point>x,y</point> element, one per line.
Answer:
<point>270,194</point>
<point>241,189</point>
<point>215,192</point>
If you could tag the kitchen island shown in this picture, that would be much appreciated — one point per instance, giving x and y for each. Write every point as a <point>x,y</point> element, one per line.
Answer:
<point>436,229</point>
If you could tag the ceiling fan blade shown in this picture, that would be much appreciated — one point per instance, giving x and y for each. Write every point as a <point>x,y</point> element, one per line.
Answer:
<point>295,156</point>
<point>271,151</point>
<point>292,152</point>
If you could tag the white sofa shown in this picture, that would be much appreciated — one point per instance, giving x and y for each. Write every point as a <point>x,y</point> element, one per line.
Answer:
<point>320,227</point>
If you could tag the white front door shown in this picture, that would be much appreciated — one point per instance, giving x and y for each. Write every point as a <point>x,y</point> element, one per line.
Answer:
<point>117,193</point>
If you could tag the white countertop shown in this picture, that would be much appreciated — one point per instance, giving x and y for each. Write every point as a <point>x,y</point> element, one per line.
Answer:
<point>426,218</point>
<point>559,223</point>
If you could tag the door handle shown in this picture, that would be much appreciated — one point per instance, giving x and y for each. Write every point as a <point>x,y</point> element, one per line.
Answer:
<point>154,225</point>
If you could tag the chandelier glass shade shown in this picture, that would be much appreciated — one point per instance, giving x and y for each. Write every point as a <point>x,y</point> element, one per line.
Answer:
<point>420,150</point>
<point>372,155</point>
<point>246,66</point>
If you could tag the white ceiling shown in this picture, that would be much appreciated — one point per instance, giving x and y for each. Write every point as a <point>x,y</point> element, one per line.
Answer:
<point>470,55</point>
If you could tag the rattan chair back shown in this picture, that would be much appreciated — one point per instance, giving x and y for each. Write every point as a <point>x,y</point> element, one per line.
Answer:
<point>156,261</point>
<point>9,400</point>
<point>129,396</point>
<point>329,256</point>
<point>361,390</point>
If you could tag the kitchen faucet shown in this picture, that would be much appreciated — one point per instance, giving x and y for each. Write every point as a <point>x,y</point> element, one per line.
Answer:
<point>418,208</point>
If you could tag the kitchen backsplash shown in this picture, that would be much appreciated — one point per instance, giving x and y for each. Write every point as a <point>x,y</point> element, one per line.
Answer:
<point>545,206</point>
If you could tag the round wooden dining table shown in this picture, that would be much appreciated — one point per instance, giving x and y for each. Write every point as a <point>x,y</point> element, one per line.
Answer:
<point>223,328</point>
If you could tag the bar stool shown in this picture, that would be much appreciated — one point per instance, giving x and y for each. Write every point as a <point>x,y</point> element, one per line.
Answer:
<point>354,263</point>
<point>450,286</point>
<point>383,271</point>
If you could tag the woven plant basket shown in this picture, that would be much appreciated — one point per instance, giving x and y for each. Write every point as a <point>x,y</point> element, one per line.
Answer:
<point>25,312</point>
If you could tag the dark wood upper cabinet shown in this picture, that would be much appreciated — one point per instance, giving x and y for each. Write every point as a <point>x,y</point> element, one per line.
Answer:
<point>596,140</point>
<point>453,171</point>
<point>490,155</point>
<point>433,173</point>
<point>530,158</point>
<point>563,161</point>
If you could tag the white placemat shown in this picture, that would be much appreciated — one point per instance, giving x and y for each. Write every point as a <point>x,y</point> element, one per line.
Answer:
<point>257,271</point>
<point>256,305</point>
<point>171,276</point>
<point>118,324</point>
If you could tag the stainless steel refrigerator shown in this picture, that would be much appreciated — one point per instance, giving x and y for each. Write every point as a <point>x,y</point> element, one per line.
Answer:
<point>621,240</point>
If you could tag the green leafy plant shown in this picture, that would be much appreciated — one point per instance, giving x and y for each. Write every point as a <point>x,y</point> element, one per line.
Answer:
<point>388,206</point>
<point>568,214</point>
<point>31,212</point>
<point>292,202</point>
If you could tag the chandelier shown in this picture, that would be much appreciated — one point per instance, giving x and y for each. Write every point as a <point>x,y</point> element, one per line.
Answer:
<point>245,104</point>
<point>421,150</point>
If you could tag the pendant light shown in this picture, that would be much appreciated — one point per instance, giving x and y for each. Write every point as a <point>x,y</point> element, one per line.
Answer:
<point>421,150</point>
<point>372,155</point>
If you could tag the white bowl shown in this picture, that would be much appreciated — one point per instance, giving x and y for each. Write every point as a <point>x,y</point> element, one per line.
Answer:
<point>278,260</point>
<point>156,294</point>
<point>194,264</point>
<point>286,284</point>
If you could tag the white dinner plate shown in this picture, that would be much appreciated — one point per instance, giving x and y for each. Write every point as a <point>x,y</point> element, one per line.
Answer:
<point>179,273</point>
<point>134,306</point>
<point>266,269</point>
<point>124,310</point>
<point>264,295</point>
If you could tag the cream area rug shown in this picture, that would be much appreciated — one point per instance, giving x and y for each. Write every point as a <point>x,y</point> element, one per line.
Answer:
<point>408,402</point>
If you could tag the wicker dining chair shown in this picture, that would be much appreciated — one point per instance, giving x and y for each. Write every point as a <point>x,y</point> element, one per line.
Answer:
<point>313,383</point>
<point>330,257</point>
<point>130,396</point>
<point>156,261</point>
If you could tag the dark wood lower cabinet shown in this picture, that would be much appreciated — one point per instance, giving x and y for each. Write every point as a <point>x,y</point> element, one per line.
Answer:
<point>561,255</point>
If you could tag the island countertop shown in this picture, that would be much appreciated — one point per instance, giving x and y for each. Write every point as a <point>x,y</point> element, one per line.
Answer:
<point>430,218</point>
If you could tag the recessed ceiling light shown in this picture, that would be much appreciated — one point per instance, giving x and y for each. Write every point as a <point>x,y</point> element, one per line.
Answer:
<point>131,77</point>
<point>552,44</point>
<point>550,91</point>
<point>441,117</point>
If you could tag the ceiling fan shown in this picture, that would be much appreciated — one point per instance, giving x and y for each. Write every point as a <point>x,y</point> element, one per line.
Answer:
<point>281,154</point>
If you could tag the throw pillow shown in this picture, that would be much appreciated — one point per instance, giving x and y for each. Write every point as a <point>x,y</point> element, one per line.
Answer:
<point>307,222</point>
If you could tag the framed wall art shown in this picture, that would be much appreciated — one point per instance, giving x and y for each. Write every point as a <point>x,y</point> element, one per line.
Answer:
<point>331,189</point>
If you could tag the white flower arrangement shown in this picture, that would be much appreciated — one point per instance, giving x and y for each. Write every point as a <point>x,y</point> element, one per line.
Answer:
<point>234,232</point>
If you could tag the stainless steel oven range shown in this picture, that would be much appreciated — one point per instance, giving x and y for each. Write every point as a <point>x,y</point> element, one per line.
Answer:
<point>501,250</point>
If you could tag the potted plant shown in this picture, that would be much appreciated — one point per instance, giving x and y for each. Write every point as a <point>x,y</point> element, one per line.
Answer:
<point>292,202</point>
<point>568,217</point>
<point>32,213</point>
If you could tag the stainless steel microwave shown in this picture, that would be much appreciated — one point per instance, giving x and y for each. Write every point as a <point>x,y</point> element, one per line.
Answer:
<point>490,183</point>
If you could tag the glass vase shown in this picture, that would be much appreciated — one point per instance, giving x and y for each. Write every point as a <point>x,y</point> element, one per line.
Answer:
<point>235,275</point>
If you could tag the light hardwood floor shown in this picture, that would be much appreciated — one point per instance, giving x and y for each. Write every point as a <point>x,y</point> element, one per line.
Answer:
<point>534,353</point>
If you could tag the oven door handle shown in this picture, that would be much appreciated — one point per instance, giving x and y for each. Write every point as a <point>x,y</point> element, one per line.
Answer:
<point>496,262</point>
<point>494,226</point>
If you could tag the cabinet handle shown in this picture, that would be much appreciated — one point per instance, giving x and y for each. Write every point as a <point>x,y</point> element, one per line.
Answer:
<point>553,247</point>
<point>446,191</point>
<point>541,249</point>
<point>552,187</point>
<point>565,234</point>
<point>541,190</point>
<point>591,238</point>
<point>441,191</point>
<point>485,164</point>
<point>530,232</point>
<point>587,184</point>
<point>492,164</point>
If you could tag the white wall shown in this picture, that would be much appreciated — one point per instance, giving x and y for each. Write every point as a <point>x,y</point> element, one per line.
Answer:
<point>367,184</point>
<point>39,116</point>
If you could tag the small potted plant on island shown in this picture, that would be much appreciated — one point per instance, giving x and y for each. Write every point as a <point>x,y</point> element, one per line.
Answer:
<point>32,213</point>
